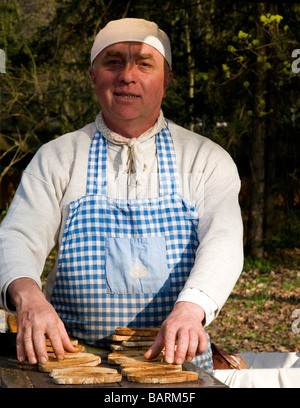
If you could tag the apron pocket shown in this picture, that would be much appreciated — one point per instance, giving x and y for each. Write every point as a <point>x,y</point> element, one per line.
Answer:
<point>136,265</point>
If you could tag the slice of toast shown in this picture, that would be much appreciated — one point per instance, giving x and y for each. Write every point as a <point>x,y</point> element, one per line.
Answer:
<point>137,343</point>
<point>120,347</point>
<point>153,369</point>
<point>78,359</point>
<point>82,370</point>
<point>138,331</point>
<point>85,378</point>
<point>85,375</point>
<point>128,352</point>
<point>147,363</point>
<point>68,355</point>
<point>78,349</point>
<point>132,337</point>
<point>73,341</point>
<point>162,378</point>
<point>118,358</point>
<point>12,323</point>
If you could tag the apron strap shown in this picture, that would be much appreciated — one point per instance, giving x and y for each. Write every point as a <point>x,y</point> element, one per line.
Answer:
<point>96,177</point>
<point>97,165</point>
<point>167,167</point>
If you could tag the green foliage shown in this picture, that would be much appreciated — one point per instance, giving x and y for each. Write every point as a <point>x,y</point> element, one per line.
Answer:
<point>288,236</point>
<point>271,20</point>
<point>47,91</point>
<point>264,266</point>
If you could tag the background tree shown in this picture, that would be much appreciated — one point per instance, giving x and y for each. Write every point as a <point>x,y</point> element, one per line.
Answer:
<point>259,62</point>
<point>232,83</point>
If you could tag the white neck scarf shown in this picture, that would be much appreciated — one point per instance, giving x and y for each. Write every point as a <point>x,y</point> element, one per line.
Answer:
<point>132,159</point>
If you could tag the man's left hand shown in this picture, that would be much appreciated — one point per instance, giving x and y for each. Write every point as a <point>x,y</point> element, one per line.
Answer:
<point>183,328</point>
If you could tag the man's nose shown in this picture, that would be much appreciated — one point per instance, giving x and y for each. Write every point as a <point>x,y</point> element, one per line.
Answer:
<point>128,73</point>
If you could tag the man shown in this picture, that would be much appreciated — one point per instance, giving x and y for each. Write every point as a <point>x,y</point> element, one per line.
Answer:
<point>145,215</point>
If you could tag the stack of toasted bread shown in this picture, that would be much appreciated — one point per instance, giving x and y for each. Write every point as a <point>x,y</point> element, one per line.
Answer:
<point>133,338</point>
<point>78,367</point>
<point>129,346</point>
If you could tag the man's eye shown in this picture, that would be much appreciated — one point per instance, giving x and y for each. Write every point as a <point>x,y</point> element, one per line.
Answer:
<point>145,64</point>
<point>113,62</point>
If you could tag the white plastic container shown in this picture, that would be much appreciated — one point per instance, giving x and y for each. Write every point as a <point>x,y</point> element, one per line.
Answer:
<point>265,370</point>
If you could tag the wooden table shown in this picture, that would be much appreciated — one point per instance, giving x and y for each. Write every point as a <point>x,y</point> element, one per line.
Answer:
<point>24,375</point>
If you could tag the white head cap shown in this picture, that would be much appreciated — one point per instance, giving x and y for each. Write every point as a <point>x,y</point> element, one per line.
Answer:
<point>132,29</point>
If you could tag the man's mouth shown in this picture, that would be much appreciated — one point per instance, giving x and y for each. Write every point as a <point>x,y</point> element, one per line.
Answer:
<point>126,96</point>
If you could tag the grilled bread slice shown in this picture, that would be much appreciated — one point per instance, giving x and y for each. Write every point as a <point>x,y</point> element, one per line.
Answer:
<point>78,349</point>
<point>86,378</point>
<point>118,358</point>
<point>73,341</point>
<point>151,368</point>
<point>82,370</point>
<point>163,377</point>
<point>77,359</point>
<point>137,343</point>
<point>137,331</point>
<point>133,337</point>
<point>85,375</point>
<point>120,348</point>
<point>147,363</point>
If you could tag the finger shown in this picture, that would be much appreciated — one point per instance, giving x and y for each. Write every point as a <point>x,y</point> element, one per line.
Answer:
<point>156,348</point>
<point>203,342</point>
<point>28,346</point>
<point>54,334</point>
<point>21,355</point>
<point>39,344</point>
<point>66,342</point>
<point>57,345</point>
<point>170,341</point>
<point>192,345</point>
<point>60,340</point>
<point>182,346</point>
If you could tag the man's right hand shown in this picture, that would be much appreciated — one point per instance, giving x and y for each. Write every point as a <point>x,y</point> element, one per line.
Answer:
<point>35,318</point>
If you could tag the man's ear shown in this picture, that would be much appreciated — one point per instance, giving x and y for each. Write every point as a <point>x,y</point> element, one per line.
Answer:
<point>168,76</point>
<point>92,75</point>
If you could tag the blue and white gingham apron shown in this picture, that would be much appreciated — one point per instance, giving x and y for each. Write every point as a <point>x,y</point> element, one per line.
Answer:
<point>96,288</point>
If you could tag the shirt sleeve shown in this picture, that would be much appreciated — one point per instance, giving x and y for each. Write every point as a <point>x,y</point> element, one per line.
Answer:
<point>33,224</point>
<point>28,232</point>
<point>219,256</point>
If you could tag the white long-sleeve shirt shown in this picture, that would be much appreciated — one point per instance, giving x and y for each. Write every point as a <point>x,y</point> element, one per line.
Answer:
<point>57,175</point>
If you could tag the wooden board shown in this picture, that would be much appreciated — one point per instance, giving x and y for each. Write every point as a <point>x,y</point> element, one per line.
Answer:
<point>24,375</point>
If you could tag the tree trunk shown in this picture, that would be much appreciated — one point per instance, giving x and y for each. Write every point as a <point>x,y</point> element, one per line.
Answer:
<point>257,154</point>
<point>191,74</point>
<point>271,186</point>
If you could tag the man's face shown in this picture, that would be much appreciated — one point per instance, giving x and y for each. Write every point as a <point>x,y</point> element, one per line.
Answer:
<point>130,80</point>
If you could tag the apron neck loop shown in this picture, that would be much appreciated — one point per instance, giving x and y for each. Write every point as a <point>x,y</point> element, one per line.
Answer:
<point>167,166</point>
<point>96,177</point>
<point>168,175</point>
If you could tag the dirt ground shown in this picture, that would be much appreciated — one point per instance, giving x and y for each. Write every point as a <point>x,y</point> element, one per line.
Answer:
<point>263,312</point>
